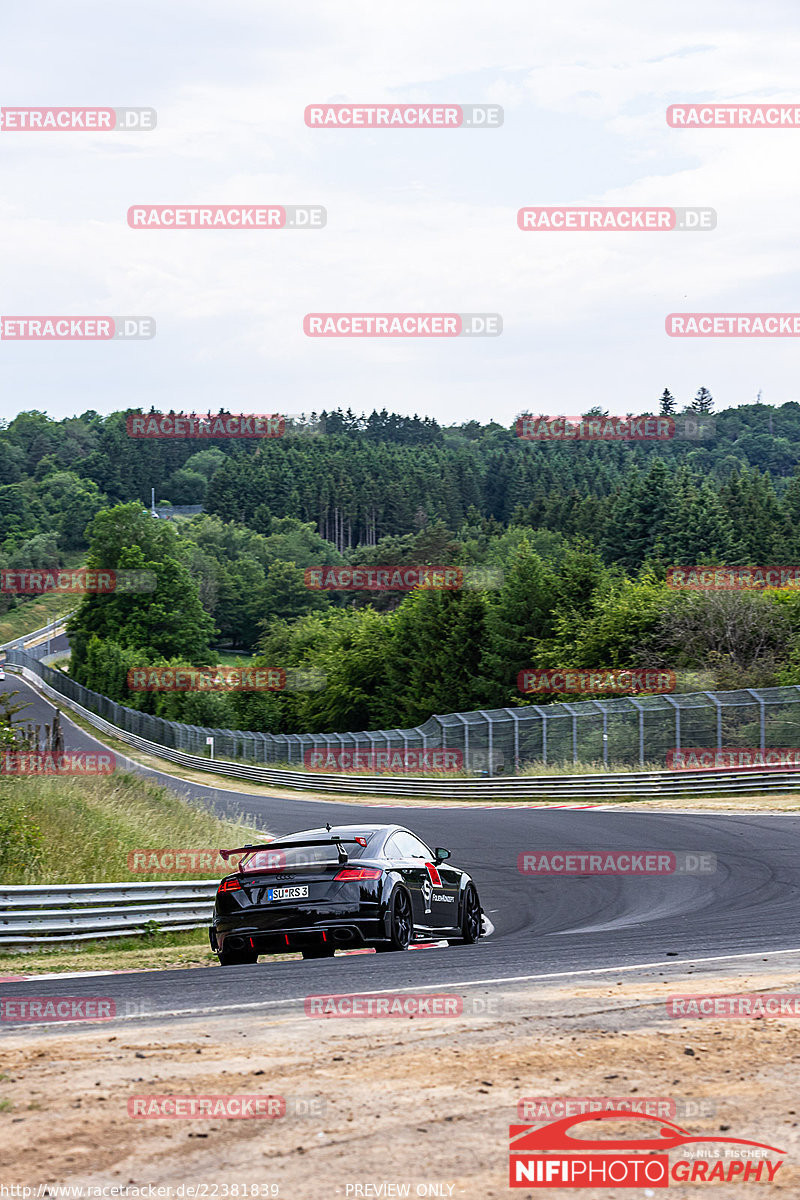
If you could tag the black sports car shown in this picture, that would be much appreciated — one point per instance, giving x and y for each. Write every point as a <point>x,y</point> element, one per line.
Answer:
<point>342,887</point>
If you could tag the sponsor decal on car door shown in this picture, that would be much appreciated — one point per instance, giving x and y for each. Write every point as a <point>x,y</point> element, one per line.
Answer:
<point>443,886</point>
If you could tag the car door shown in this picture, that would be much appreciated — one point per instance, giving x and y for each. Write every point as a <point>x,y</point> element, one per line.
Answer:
<point>438,884</point>
<point>446,896</point>
<point>409,860</point>
<point>445,881</point>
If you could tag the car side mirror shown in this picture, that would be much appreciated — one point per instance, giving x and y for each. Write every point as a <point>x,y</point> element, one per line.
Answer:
<point>441,854</point>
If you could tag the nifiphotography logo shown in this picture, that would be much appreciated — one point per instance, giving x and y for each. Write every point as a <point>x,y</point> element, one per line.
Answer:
<point>627,1162</point>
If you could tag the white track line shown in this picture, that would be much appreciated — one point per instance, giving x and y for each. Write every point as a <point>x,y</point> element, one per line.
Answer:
<point>230,1008</point>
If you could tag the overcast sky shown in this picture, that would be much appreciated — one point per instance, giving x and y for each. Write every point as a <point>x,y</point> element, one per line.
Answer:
<point>417,220</point>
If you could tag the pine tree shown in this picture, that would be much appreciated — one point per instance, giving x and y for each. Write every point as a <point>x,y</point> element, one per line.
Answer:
<point>666,405</point>
<point>703,401</point>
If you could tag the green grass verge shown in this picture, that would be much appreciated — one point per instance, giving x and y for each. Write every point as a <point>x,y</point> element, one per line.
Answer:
<point>36,611</point>
<point>181,949</point>
<point>81,830</point>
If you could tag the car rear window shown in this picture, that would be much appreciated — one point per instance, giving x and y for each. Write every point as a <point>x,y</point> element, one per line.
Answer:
<point>301,856</point>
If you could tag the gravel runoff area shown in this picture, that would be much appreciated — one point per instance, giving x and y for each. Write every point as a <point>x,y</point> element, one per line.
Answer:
<point>375,1107</point>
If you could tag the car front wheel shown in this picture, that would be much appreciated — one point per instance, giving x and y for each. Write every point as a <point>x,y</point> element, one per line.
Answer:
<point>471,916</point>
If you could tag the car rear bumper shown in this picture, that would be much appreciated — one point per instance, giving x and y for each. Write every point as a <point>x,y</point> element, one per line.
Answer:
<point>277,931</point>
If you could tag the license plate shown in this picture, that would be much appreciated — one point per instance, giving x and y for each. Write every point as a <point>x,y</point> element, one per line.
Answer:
<point>287,893</point>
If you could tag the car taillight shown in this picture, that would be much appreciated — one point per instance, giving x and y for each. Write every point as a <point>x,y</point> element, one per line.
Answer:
<point>229,885</point>
<point>351,873</point>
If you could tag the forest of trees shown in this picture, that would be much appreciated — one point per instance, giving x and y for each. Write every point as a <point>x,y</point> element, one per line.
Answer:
<point>583,534</point>
<point>367,478</point>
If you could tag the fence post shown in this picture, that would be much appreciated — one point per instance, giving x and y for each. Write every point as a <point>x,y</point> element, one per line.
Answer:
<point>512,712</point>
<point>463,721</point>
<point>604,714</point>
<point>762,717</point>
<point>640,711</point>
<point>676,707</point>
<point>714,699</point>
<point>543,718</point>
<point>490,743</point>
<point>574,716</point>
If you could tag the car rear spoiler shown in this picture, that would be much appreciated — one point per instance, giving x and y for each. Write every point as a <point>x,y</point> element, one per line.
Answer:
<point>338,842</point>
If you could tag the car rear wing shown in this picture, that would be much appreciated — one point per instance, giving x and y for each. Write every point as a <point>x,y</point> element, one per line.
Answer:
<point>338,842</point>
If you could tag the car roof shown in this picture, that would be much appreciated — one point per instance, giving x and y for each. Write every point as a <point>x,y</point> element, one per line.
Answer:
<point>364,830</point>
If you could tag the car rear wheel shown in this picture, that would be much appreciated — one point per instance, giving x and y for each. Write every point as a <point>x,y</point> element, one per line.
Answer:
<point>319,951</point>
<point>471,917</point>
<point>401,926</point>
<point>237,958</point>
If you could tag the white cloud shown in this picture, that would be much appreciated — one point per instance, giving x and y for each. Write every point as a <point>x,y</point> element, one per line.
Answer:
<point>417,221</point>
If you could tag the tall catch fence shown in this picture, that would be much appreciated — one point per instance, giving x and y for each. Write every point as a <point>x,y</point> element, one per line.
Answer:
<point>628,731</point>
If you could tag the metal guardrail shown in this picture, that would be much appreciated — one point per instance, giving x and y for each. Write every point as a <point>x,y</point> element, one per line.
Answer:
<point>555,788</point>
<point>36,916</point>
<point>52,627</point>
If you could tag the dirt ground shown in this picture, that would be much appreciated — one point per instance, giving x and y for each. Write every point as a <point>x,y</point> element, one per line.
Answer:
<point>423,1102</point>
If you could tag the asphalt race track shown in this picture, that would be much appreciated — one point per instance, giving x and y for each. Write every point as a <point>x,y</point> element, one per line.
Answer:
<point>542,926</point>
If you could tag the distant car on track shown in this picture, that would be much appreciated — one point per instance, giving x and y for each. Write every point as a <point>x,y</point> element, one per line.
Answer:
<point>341,888</point>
